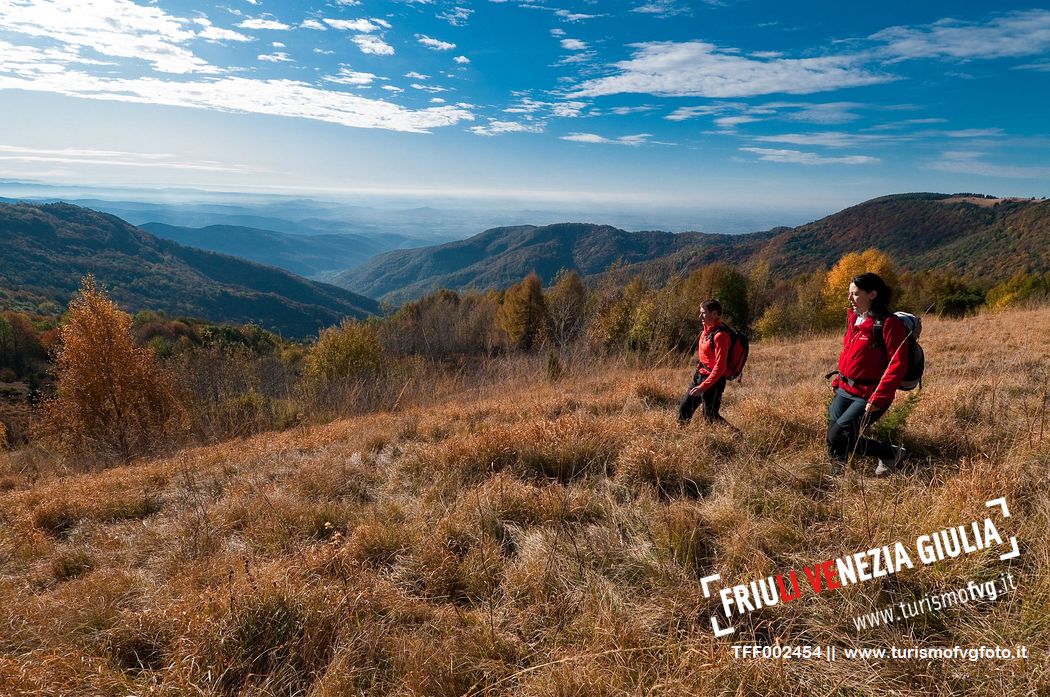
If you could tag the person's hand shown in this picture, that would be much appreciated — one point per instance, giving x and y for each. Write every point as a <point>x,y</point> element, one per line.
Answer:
<point>694,391</point>
<point>869,407</point>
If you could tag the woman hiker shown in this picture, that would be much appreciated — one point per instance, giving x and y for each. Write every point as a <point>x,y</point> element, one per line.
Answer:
<point>869,373</point>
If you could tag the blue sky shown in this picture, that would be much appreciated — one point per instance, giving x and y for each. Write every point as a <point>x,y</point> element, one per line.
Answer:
<point>640,103</point>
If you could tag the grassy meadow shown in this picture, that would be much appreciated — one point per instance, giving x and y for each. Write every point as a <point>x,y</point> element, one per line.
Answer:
<point>514,534</point>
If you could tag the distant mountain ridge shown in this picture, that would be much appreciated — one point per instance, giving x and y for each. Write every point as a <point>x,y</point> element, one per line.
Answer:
<point>965,234</point>
<point>49,248</point>
<point>305,255</point>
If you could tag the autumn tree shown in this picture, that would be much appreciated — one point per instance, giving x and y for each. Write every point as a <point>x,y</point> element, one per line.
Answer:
<point>112,398</point>
<point>836,283</point>
<point>523,315</point>
<point>567,306</point>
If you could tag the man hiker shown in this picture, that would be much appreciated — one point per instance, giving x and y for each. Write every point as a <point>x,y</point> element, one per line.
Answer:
<point>713,354</point>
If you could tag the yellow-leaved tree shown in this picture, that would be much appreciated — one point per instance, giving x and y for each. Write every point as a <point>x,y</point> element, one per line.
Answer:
<point>113,400</point>
<point>836,283</point>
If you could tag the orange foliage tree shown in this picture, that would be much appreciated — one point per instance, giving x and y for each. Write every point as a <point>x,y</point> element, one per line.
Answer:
<point>836,283</point>
<point>113,399</point>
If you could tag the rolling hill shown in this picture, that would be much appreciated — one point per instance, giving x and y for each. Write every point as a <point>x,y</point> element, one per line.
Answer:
<point>502,256</point>
<point>305,255</point>
<point>49,248</point>
<point>970,235</point>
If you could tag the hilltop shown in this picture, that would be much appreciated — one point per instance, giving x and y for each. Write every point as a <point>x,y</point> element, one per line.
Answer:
<point>467,543</point>
<point>49,248</point>
<point>981,238</point>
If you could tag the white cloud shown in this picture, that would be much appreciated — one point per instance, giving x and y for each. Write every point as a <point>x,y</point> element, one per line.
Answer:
<point>391,88</point>
<point>905,123</point>
<point>437,100</point>
<point>808,158</point>
<point>697,69</point>
<point>434,44</point>
<point>289,98</point>
<point>639,139</point>
<point>731,122</point>
<point>462,60</point>
<point>1038,67</point>
<point>114,28</point>
<point>685,113</point>
<point>416,76</point>
<point>276,57</point>
<point>111,158</point>
<point>975,133</point>
<point>313,24</point>
<point>568,109</point>
<point>967,162</point>
<point>271,24</point>
<point>323,51</point>
<point>363,26</point>
<point>214,33</point>
<point>828,113</point>
<point>581,57</point>
<point>346,76</point>
<point>427,88</point>
<point>573,45</point>
<point>1022,33</point>
<point>277,44</point>
<point>456,16</point>
<point>556,33</point>
<point>626,110</point>
<point>663,8</point>
<point>500,127</point>
<point>829,139</point>
<point>373,45</point>
<point>574,16</point>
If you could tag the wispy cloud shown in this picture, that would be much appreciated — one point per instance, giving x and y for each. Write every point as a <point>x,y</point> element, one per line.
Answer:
<point>501,127</point>
<point>568,16</point>
<point>573,45</point>
<point>462,60</point>
<point>276,57</point>
<point>270,24</point>
<point>347,76</point>
<point>633,140</point>
<point>210,32</point>
<point>456,16</point>
<point>362,26</point>
<point>434,44</point>
<point>1014,34</point>
<point>664,8</point>
<point>111,158</point>
<point>697,69</point>
<point>830,139</point>
<point>970,162</point>
<point>234,94</point>
<point>808,158</point>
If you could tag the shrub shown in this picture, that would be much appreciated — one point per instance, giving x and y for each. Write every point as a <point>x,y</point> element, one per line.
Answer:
<point>836,284</point>
<point>523,314</point>
<point>348,351</point>
<point>113,399</point>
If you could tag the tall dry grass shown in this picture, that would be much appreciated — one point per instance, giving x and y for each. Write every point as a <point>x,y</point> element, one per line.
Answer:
<point>528,537</point>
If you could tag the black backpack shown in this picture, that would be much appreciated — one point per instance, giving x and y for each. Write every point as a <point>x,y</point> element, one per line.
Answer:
<point>916,356</point>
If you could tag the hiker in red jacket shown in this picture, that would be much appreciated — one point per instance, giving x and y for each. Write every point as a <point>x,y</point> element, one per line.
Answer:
<point>869,373</point>
<point>709,381</point>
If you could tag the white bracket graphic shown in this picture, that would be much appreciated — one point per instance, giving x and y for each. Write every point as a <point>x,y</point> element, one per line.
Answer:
<point>1001,502</point>
<point>719,632</point>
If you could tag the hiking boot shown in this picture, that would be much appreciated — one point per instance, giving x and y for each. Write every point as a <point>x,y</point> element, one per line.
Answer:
<point>887,468</point>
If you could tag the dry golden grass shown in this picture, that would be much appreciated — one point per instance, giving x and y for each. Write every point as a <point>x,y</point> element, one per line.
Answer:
<point>535,538</point>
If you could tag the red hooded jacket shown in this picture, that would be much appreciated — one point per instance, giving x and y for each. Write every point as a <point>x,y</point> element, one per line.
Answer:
<point>878,372</point>
<point>713,353</point>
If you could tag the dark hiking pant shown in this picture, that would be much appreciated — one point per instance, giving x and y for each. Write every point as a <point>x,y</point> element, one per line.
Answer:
<point>710,399</point>
<point>846,417</point>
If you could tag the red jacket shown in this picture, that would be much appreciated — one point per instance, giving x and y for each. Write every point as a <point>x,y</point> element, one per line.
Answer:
<point>879,372</point>
<point>712,352</point>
